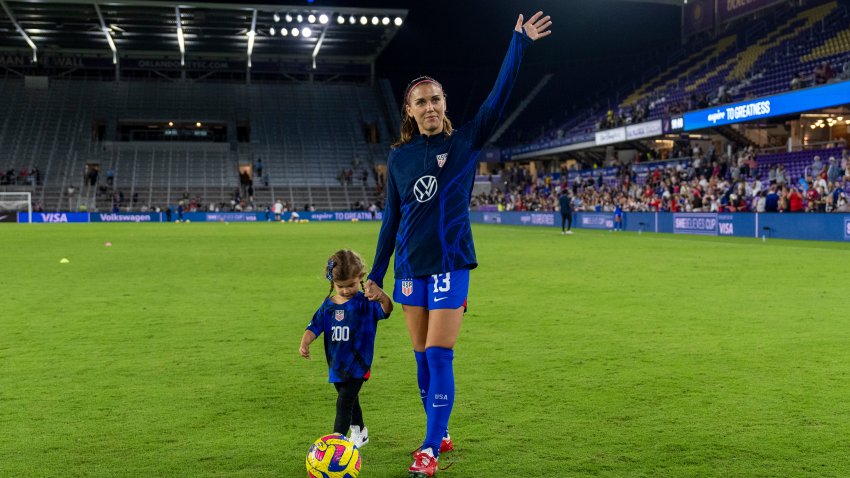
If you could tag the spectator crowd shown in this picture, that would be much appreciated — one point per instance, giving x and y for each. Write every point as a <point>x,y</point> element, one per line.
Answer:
<point>705,183</point>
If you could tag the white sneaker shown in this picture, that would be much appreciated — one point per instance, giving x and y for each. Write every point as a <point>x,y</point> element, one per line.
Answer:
<point>359,437</point>
<point>569,232</point>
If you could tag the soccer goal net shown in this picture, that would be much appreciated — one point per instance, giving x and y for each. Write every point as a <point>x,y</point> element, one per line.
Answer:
<point>13,203</point>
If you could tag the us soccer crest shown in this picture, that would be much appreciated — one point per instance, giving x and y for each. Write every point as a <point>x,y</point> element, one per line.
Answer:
<point>407,287</point>
<point>441,159</point>
<point>339,315</point>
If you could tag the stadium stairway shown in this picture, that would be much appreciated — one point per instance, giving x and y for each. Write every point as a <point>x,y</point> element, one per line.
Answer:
<point>734,135</point>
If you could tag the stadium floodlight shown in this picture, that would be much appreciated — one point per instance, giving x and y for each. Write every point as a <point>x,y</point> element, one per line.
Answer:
<point>340,19</point>
<point>352,20</point>
<point>318,46</point>
<point>251,34</point>
<point>385,21</point>
<point>295,32</point>
<point>398,21</point>
<point>311,18</point>
<point>323,19</point>
<point>180,41</point>
<point>107,32</point>
<point>271,31</point>
<point>288,18</point>
<point>306,32</point>
<point>276,18</point>
<point>198,124</point>
<point>364,20</point>
<point>284,32</point>
<point>375,20</point>
<point>299,18</point>
<point>21,31</point>
<point>171,123</point>
<point>250,46</point>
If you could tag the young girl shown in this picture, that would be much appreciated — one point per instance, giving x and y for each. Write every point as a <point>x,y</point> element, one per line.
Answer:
<point>349,322</point>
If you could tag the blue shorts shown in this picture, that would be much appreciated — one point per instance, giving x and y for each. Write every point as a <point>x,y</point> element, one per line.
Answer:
<point>439,291</point>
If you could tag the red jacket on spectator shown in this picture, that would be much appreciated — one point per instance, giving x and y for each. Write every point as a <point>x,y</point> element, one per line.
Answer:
<point>795,201</point>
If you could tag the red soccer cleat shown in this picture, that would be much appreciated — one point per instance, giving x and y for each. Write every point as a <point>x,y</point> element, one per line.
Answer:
<point>446,444</point>
<point>424,465</point>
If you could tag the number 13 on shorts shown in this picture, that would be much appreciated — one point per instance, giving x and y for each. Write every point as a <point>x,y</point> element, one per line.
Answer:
<point>445,280</point>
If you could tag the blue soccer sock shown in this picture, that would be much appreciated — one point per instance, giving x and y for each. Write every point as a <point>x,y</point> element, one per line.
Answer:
<point>423,377</point>
<point>441,395</point>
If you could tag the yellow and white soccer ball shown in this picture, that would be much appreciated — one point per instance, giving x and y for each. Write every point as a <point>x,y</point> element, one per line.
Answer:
<point>333,456</point>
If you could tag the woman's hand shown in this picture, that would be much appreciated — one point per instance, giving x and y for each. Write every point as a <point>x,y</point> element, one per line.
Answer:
<point>304,350</point>
<point>372,291</point>
<point>536,27</point>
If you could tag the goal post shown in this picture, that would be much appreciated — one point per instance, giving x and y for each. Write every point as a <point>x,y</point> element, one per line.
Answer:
<point>11,203</point>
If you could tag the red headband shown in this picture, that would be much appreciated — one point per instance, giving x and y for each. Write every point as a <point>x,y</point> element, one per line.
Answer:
<point>427,80</point>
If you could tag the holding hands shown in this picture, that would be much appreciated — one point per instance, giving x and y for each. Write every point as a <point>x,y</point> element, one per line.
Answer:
<point>536,27</point>
<point>375,293</point>
<point>372,291</point>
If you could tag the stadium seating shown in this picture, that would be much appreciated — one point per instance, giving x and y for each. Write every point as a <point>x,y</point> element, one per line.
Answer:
<point>755,60</point>
<point>797,163</point>
<point>305,134</point>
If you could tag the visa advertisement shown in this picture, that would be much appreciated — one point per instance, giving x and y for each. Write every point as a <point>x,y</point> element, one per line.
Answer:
<point>54,217</point>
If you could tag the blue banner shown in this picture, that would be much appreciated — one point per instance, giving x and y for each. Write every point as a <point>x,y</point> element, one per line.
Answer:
<point>695,223</point>
<point>804,226</point>
<point>126,217</point>
<point>342,216</point>
<point>770,106</point>
<point>537,219</point>
<point>515,218</point>
<point>54,217</point>
<point>261,216</point>
<point>589,220</point>
<point>229,217</point>
<point>491,218</point>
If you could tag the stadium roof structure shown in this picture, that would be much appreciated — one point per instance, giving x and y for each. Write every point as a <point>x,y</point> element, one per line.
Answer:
<point>209,30</point>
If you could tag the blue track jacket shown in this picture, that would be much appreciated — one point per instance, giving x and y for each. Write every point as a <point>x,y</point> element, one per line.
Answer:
<point>429,184</point>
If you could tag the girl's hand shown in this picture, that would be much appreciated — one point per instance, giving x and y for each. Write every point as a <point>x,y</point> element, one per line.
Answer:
<point>536,27</point>
<point>372,291</point>
<point>304,350</point>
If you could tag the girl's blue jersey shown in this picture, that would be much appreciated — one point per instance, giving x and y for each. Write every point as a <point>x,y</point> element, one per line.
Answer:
<point>349,331</point>
<point>429,184</point>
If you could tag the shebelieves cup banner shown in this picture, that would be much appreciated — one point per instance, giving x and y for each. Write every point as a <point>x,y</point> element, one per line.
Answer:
<point>704,224</point>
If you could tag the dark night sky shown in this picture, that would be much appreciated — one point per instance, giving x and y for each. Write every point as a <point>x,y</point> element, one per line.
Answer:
<point>462,43</point>
<point>597,47</point>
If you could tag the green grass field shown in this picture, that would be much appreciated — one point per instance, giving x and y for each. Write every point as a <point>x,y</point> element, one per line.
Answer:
<point>174,353</point>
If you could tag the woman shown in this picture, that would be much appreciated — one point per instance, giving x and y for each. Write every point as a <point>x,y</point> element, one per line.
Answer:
<point>431,170</point>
